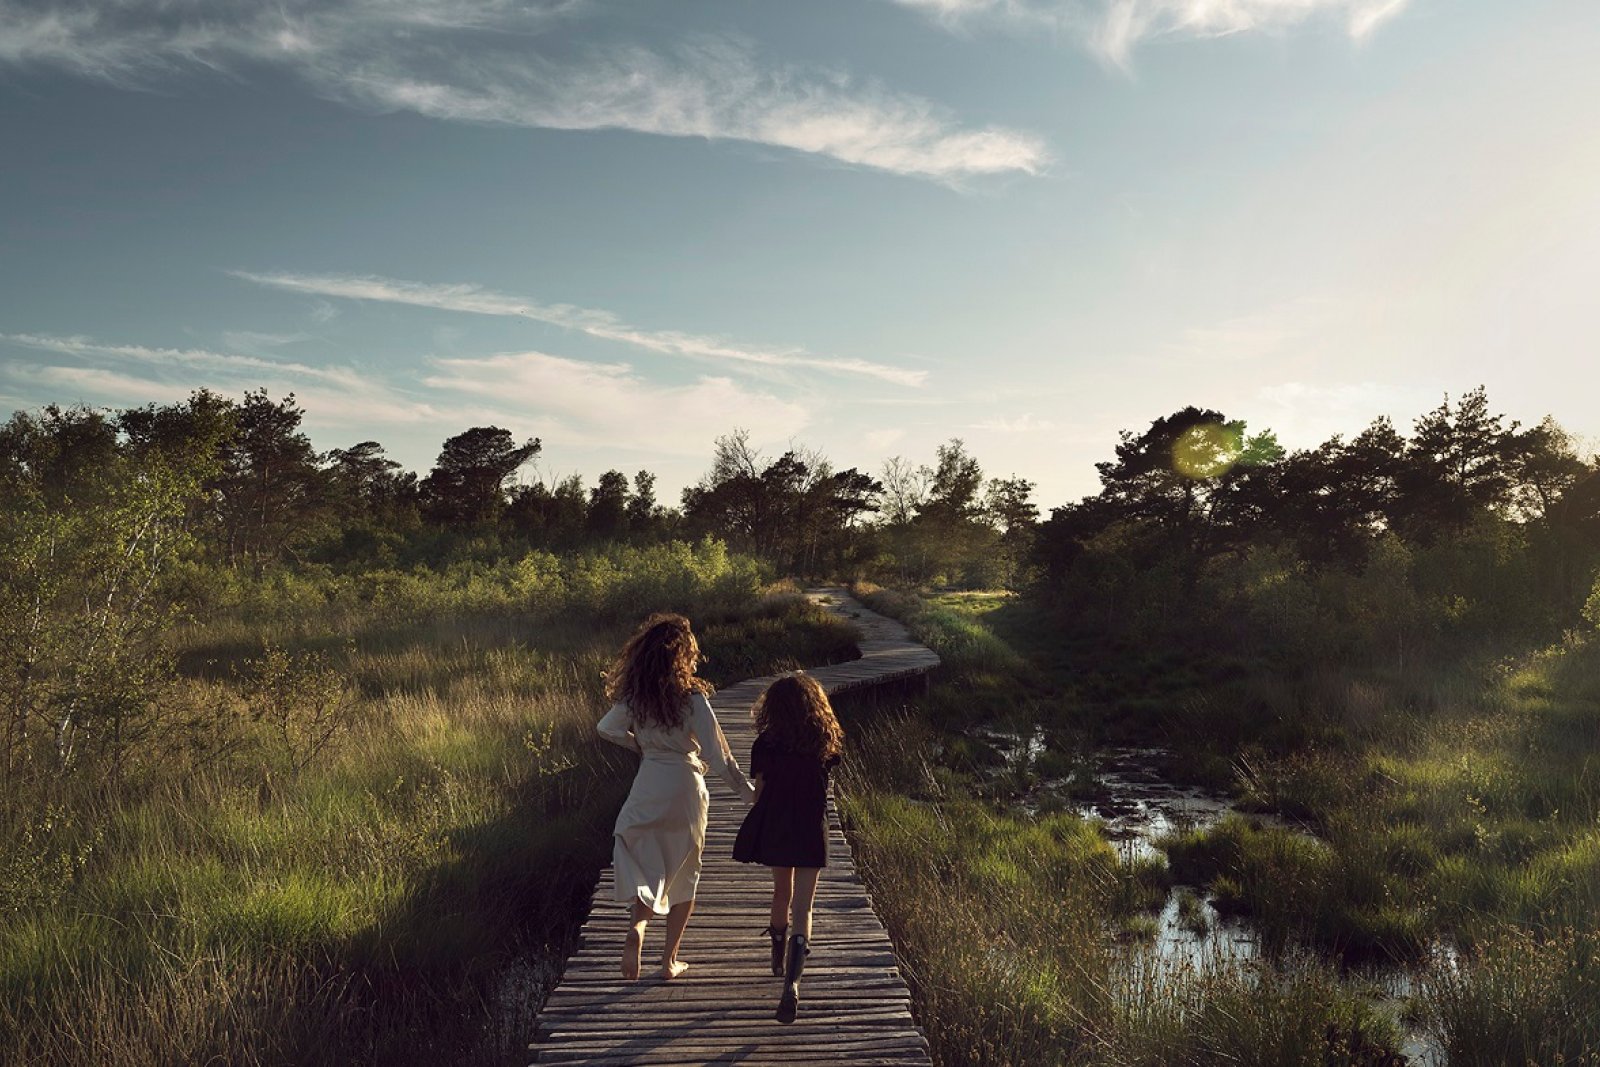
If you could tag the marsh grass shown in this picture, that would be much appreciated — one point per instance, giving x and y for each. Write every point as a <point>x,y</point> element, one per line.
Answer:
<point>1521,999</point>
<point>1295,1013</point>
<point>1445,804</point>
<point>371,900</point>
<point>1024,936</point>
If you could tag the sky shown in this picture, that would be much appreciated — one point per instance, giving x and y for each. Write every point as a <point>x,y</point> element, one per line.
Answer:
<point>859,226</point>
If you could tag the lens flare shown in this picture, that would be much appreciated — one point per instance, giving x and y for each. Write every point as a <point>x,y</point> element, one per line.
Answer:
<point>1206,450</point>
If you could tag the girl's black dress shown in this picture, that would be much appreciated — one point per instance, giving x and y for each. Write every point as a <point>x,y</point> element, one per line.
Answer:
<point>788,826</point>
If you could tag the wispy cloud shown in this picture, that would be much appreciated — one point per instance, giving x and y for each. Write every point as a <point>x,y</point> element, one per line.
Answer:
<point>1292,329</point>
<point>608,403</point>
<point>880,440</point>
<point>187,357</point>
<point>1114,28</point>
<point>97,383</point>
<point>257,340</point>
<point>1307,413</point>
<point>716,90</point>
<point>604,325</point>
<point>569,401</point>
<point>479,61</point>
<point>1024,423</point>
<point>330,393</point>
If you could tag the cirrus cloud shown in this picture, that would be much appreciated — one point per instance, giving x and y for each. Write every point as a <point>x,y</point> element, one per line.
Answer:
<point>1114,28</point>
<point>480,61</point>
<point>609,404</point>
<point>604,325</point>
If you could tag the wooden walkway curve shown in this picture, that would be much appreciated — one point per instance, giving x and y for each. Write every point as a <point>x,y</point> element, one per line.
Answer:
<point>854,1006</point>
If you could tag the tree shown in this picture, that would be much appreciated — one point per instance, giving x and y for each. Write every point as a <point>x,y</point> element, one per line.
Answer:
<point>934,519</point>
<point>730,500</point>
<point>1167,474</point>
<point>61,453</point>
<point>568,511</point>
<point>467,485</point>
<point>643,513</point>
<point>195,432</point>
<point>1458,467</point>
<point>795,510</point>
<point>833,506</point>
<point>364,479</point>
<point>905,490</point>
<point>1193,481</point>
<point>1008,504</point>
<point>607,517</point>
<point>955,484</point>
<point>1544,466</point>
<point>84,610</point>
<point>1008,508</point>
<point>272,492</point>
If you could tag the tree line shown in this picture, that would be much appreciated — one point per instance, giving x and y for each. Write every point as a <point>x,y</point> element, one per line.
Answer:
<point>116,523</point>
<point>262,495</point>
<point>1469,523</point>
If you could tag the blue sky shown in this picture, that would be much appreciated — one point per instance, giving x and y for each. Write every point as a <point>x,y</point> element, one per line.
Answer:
<point>862,226</point>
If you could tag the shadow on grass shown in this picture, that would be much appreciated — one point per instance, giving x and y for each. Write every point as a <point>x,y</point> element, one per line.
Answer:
<point>429,982</point>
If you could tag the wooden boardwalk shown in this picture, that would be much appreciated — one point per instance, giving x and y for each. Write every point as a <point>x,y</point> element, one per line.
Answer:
<point>854,1006</point>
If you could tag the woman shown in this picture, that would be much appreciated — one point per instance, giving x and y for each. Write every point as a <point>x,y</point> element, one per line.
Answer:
<point>661,712</point>
<point>787,829</point>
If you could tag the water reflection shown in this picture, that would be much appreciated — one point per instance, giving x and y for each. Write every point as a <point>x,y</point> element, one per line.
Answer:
<point>1128,791</point>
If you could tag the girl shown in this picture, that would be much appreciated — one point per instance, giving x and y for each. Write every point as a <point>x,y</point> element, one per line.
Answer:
<point>787,829</point>
<point>661,712</point>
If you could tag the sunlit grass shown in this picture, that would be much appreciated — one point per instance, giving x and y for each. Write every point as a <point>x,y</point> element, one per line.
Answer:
<point>225,907</point>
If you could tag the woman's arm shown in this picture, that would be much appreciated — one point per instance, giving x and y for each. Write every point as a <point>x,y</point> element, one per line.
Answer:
<point>714,748</point>
<point>760,781</point>
<point>616,728</point>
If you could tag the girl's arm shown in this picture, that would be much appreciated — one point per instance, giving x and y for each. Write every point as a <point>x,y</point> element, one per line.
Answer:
<point>616,728</point>
<point>714,749</point>
<point>760,781</point>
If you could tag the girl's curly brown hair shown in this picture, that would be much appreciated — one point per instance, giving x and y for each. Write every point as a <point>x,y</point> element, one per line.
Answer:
<point>654,673</point>
<point>795,712</point>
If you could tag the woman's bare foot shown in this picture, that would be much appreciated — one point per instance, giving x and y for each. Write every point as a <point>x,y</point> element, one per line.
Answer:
<point>632,945</point>
<point>671,970</point>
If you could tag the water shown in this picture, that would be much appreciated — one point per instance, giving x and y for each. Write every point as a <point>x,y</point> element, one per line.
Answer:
<point>1137,805</point>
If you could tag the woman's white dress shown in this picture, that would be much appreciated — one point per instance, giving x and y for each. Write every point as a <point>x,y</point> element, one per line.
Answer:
<point>662,826</point>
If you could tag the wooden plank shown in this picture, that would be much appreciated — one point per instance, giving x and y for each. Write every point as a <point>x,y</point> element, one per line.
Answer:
<point>854,1004</point>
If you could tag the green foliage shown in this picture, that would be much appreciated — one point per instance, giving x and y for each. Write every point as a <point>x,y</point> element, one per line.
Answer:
<point>1518,999</point>
<point>84,613</point>
<point>467,484</point>
<point>1026,938</point>
<point>1471,533</point>
<point>1299,1015</point>
<point>795,510</point>
<point>302,700</point>
<point>382,829</point>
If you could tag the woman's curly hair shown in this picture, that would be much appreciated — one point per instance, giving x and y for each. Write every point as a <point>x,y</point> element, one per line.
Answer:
<point>654,673</point>
<point>795,712</point>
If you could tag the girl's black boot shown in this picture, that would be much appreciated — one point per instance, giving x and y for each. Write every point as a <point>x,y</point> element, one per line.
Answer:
<point>776,933</point>
<point>789,1003</point>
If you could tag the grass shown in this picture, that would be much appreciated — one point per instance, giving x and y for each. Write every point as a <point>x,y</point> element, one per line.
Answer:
<point>1524,999</point>
<point>406,894</point>
<point>1444,806</point>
